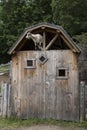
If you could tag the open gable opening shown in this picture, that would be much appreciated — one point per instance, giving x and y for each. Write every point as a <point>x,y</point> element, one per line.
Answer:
<point>51,41</point>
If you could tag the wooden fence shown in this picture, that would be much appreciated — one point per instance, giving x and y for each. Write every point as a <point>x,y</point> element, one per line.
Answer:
<point>83,101</point>
<point>5,100</point>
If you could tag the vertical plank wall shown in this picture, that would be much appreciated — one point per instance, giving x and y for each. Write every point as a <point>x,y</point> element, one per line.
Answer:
<point>38,93</point>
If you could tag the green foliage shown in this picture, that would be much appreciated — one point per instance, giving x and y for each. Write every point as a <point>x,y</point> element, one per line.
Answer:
<point>82,41</point>
<point>71,15</point>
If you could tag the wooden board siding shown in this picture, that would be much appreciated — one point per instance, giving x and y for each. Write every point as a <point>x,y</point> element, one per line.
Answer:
<point>38,93</point>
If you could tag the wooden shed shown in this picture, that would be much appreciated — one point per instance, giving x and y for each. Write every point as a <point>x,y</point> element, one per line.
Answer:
<point>45,81</point>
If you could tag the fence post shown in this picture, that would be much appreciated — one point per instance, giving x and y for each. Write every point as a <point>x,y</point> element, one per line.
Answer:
<point>82,101</point>
<point>9,101</point>
<point>4,99</point>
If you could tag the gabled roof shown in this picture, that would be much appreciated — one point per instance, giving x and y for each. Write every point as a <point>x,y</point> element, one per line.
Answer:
<point>73,46</point>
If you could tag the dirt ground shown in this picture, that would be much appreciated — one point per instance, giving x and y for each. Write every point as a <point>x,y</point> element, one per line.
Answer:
<point>50,127</point>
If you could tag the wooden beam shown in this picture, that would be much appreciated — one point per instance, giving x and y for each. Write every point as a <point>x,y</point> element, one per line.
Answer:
<point>51,42</point>
<point>43,27</point>
<point>50,30</point>
<point>44,40</point>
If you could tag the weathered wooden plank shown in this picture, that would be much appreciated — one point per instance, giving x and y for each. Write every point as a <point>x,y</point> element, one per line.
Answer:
<point>42,87</point>
<point>39,86</point>
<point>9,101</point>
<point>23,108</point>
<point>82,101</point>
<point>17,108</point>
<point>49,87</point>
<point>73,89</point>
<point>44,40</point>
<point>15,75</point>
<point>4,100</point>
<point>16,87</point>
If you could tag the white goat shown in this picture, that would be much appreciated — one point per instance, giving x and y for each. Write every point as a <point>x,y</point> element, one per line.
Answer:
<point>37,39</point>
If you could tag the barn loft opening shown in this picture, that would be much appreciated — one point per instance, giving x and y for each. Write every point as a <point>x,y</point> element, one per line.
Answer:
<point>28,45</point>
<point>51,41</point>
<point>58,44</point>
<point>54,38</point>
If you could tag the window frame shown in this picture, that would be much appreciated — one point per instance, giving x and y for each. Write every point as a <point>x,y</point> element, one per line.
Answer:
<point>33,66</point>
<point>66,72</point>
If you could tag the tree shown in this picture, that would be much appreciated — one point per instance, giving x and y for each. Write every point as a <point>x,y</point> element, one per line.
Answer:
<point>71,15</point>
<point>13,21</point>
<point>82,42</point>
<point>42,11</point>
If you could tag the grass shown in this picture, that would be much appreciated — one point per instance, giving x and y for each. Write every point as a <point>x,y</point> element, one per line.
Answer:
<point>4,68</point>
<point>8,124</point>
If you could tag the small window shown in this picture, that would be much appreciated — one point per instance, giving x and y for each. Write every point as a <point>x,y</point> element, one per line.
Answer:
<point>30,63</point>
<point>61,73</point>
<point>42,59</point>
